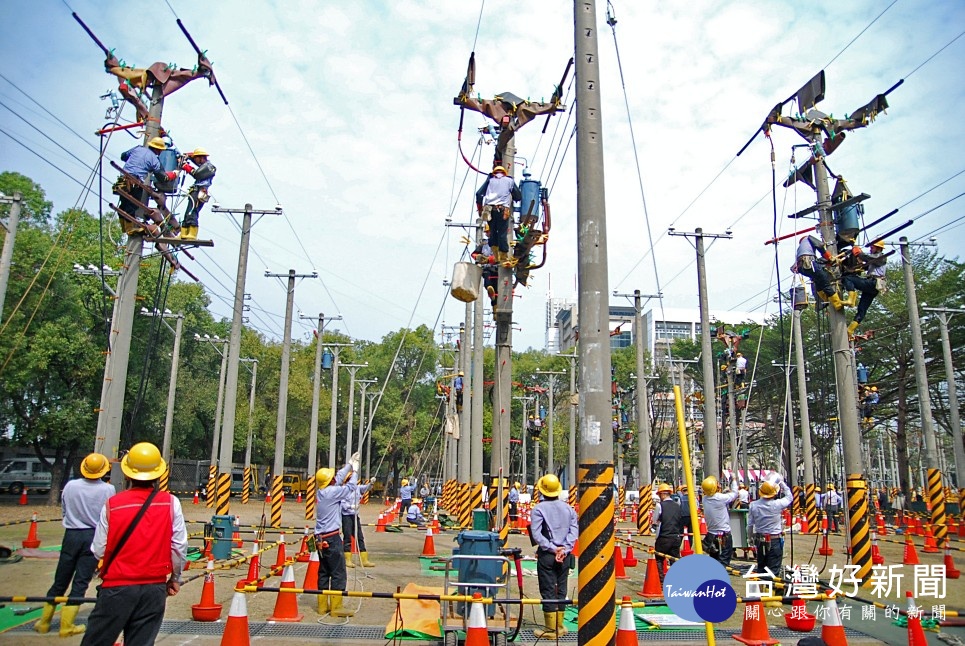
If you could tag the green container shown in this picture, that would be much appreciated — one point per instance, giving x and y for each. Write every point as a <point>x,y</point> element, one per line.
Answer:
<point>480,520</point>
<point>222,527</point>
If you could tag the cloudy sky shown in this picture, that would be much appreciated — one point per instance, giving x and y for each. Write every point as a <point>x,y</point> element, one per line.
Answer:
<point>348,108</point>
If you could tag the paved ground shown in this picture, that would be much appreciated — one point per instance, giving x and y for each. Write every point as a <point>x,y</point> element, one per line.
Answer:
<point>396,557</point>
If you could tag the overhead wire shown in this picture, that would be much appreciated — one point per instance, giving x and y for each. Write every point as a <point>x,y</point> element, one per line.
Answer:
<point>867,27</point>
<point>49,113</point>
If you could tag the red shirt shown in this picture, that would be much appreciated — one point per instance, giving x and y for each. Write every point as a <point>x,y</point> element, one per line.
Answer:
<point>146,556</point>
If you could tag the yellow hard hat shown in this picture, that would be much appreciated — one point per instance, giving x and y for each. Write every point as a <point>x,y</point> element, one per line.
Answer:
<point>830,487</point>
<point>199,152</point>
<point>143,462</point>
<point>549,485</point>
<point>405,481</point>
<point>94,465</point>
<point>877,244</point>
<point>499,169</point>
<point>768,489</point>
<point>817,489</point>
<point>665,487</point>
<point>516,484</point>
<point>157,144</point>
<point>709,485</point>
<point>323,477</point>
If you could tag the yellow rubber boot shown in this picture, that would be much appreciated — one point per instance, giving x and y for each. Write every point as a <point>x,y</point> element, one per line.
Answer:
<point>323,604</point>
<point>850,298</point>
<point>43,624</point>
<point>836,301</point>
<point>67,617</point>
<point>852,326</point>
<point>550,632</point>
<point>349,559</point>
<point>365,560</point>
<point>560,627</point>
<point>338,610</point>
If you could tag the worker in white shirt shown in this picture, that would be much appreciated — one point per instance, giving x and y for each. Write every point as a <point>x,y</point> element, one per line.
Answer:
<point>718,542</point>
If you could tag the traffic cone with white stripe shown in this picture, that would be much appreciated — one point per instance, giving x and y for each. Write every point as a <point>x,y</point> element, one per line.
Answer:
<point>627,630</point>
<point>685,549</point>
<point>286,603</point>
<point>31,542</point>
<point>916,634</point>
<point>280,558</point>
<point>429,545</point>
<point>477,633</point>
<point>311,573</point>
<point>303,556</point>
<point>832,630</point>
<point>754,630</point>
<point>910,557</point>
<point>619,571</point>
<point>252,578</point>
<point>951,572</point>
<point>236,628</point>
<point>207,609</point>
<point>876,557</point>
<point>652,589</point>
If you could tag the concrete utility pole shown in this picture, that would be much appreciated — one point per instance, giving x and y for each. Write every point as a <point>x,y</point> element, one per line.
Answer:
<point>234,352</point>
<point>571,441</point>
<point>333,420</point>
<point>596,573</point>
<point>280,429</point>
<point>551,378</point>
<point>476,432</point>
<point>363,386</point>
<point>246,480</point>
<point>465,420</point>
<point>944,314</point>
<point>211,497</point>
<point>936,492</point>
<point>173,381</point>
<point>711,446</point>
<point>503,315</point>
<point>810,506</point>
<point>368,436</point>
<point>6,256</point>
<point>526,431</point>
<point>108,436</point>
<point>313,428</point>
<point>353,368</point>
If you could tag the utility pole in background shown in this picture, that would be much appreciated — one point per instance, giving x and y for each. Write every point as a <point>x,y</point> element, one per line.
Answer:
<point>234,353</point>
<point>944,314</point>
<point>6,256</point>
<point>246,478</point>
<point>476,432</point>
<point>503,315</point>
<point>571,442</point>
<point>711,433</point>
<point>936,490</point>
<point>353,369</point>
<point>173,381</point>
<point>333,420</point>
<point>363,386</point>
<point>551,377</point>
<point>278,469</point>
<point>211,497</point>
<point>313,428</point>
<point>810,504</point>
<point>596,569</point>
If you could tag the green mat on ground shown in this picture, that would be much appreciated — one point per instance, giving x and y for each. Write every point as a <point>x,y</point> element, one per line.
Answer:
<point>571,614</point>
<point>9,620</point>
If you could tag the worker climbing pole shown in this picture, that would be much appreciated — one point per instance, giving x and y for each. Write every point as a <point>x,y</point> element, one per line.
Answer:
<point>146,90</point>
<point>595,472</point>
<point>824,134</point>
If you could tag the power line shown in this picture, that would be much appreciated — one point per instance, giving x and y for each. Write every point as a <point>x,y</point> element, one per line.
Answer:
<point>45,135</point>
<point>51,114</point>
<point>31,150</point>
<point>851,42</point>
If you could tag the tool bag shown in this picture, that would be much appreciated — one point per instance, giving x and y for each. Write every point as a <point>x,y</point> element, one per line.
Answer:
<point>466,278</point>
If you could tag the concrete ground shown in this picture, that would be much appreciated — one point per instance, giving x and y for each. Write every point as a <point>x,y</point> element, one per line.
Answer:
<point>397,563</point>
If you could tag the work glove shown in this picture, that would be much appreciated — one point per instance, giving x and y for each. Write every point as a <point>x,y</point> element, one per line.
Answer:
<point>171,175</point>
<point>855,251</point>
<point>187,168</point>
<point>355,460</point>
<point>827,255</point>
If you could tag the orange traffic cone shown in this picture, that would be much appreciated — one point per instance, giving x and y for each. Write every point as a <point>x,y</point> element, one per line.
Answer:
<point>477,633</point>
<point>961,530</point>
<point>236,628</point>
<point>630,560</point>
<point>754,630</point>
<point>252,578</point>
<point>627,631</point>
<point>286,603</point>
<point>832,630</point>
<point>876,557</point>
<point>429,546</point>
<point>23,497</point>
<point>910,556</point>
<point>207,609</point>
<point>311,573</point>
<point>882,530</point>
<point>825,549</point>
<point>916,634</point>
<point>651,584</point>
<point>32,541</point>
<point>930,546</point>
<point>236,534</point>
<point>798,619</point>
<point>576,548</point>
<point>195,501</point>
<point>302,556</point>
<point>703,526</point>
<point>685,549</point>
<point>268,496</point>
<point>280,559</point>
<point>380,524</point>
<point>951,572</point>
<point>299,498</point>
<point>620,573</point>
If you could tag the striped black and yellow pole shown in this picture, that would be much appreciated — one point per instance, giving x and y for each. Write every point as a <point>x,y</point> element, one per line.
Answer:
<point>211,496</point>
<point>464,509</point>
<point>644,509</point>
<point>811,509</point>
<point>276,498</point>
<point>796,503</point>
<point>691,489</point>
<point>936,494</point>
<point>364,500</point>
<point>310,498</point>
<point>224,494</point>
<point>475,502</point>
<point>621,499</point>
<point>504,513</point>
<point>246,485</point>
<point>165,483</point>
<point>597,585</point>
<point>857,491</point>
<point>493,504</point>
<point>574,496</point>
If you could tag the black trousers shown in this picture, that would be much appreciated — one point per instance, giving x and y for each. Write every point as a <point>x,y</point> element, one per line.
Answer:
<point>498,226</point>
<point>770,554</point>
<point>331,564</point>
<point>76,562</point>
<point>513,511</point>
<point>820,277</point>
<point>725,547</point>
<point>195,204</point>
<point>128,206</point>
<point>833,515</point>
<point>868,289</point>
<point>552,579</point>
<point>137,610</point>
<point>349,529</point>
<point>669,545</point>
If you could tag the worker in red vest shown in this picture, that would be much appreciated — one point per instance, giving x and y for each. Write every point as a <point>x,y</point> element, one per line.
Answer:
<point>142,546</point>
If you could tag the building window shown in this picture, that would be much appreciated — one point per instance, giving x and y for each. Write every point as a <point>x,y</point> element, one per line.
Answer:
<point>673,330</point>
<point>622,340</point>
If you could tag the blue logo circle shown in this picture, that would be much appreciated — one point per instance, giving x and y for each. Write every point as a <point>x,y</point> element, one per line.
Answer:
<point>697,588</point>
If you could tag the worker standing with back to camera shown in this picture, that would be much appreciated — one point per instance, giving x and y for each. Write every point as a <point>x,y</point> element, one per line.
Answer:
<point>333,488</point>
<point>718,542</point>
<point>554,529</point>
